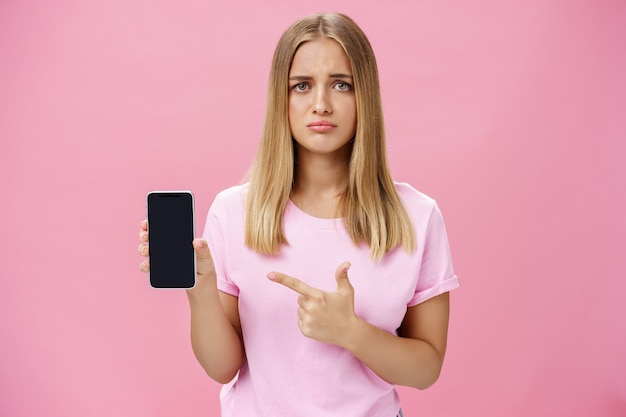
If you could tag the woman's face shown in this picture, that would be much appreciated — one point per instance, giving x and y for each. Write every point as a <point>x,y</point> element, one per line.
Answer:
<point>322,103</point>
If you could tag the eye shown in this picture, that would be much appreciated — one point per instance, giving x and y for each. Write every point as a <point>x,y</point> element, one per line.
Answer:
<point>300,87</point>
<point>343,86</point>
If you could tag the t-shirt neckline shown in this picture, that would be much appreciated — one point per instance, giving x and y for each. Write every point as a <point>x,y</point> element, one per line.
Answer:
<point>294,211</point>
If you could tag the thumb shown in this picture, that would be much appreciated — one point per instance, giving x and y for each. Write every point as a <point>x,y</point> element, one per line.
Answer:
<point>204,261</point>
<point>341,274</point>
<point>202,250</point>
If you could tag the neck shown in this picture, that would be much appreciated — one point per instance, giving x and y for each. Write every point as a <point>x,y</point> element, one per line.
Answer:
<point>320,181</point>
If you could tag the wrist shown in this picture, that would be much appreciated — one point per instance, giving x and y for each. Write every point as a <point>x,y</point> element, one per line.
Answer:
<point>202,292</point>
<point>356,334</point>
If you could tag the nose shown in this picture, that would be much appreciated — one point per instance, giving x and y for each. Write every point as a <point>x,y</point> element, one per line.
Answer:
<point>321,102</point>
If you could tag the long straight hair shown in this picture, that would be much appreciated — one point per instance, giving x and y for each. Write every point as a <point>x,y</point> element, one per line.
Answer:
<point>371,208</point>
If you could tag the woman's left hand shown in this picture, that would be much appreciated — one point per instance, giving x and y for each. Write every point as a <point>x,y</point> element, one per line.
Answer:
<point>324,316</point>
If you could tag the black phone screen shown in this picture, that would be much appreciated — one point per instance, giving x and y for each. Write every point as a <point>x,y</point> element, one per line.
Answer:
<point>170,235</point>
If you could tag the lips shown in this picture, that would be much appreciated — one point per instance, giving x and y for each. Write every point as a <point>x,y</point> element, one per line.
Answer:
<point>321,126</point>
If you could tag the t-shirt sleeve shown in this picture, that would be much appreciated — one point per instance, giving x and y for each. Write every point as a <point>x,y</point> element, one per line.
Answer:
<point>215,236</point>
<point>436,274</point>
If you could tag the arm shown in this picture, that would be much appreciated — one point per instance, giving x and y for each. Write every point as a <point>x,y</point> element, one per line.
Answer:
<point>215,327</point>
<point>218,349</point>
<point>413,359</point>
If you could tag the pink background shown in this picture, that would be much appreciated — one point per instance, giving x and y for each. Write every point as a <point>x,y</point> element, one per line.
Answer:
<point>510,113</point>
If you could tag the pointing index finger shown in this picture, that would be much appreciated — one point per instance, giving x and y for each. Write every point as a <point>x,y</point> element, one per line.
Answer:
<point>293,283</point>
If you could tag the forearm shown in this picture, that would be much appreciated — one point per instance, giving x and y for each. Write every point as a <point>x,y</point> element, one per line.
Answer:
<point>216,344</point>
<point>397,360</point>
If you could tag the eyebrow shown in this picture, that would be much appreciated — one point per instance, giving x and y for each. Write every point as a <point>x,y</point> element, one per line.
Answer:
<point>308,77</point>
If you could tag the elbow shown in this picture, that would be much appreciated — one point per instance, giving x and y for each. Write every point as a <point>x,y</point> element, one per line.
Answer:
<point>431,370</point>
<point>222,377</point>
<point>428,378</point>
<point>221,371</point>
<point>426,383</point>
<point>221,365</point>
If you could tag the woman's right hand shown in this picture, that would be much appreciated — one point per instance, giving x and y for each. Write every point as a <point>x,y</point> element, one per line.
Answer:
<point>205,270</point>
<point>216,335</point>
<point>144,266</point>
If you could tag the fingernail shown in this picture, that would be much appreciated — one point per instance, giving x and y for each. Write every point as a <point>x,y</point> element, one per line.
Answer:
<point>345,269</point>
<point>271,276</point>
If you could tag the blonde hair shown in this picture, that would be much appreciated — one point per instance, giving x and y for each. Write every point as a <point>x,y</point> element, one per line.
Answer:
<point>372,210</point>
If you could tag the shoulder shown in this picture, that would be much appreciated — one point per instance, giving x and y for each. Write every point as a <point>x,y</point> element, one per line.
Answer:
<point>414,201</point>
<point>231,199</point>
<point>232,194</point>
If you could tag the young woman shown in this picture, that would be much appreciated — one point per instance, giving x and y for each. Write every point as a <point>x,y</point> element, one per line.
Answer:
<point>322,283</point>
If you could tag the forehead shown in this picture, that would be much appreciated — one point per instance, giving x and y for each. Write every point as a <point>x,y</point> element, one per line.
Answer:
<point>322,55</point>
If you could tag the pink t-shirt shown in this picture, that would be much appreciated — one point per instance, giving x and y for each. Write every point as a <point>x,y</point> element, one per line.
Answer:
<point>286,373</point>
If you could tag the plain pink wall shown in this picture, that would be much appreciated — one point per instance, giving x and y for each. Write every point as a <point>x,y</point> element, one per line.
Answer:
<point>511,114</point>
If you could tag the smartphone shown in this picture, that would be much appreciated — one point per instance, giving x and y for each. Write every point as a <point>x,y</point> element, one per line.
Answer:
<point>171,230</point>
